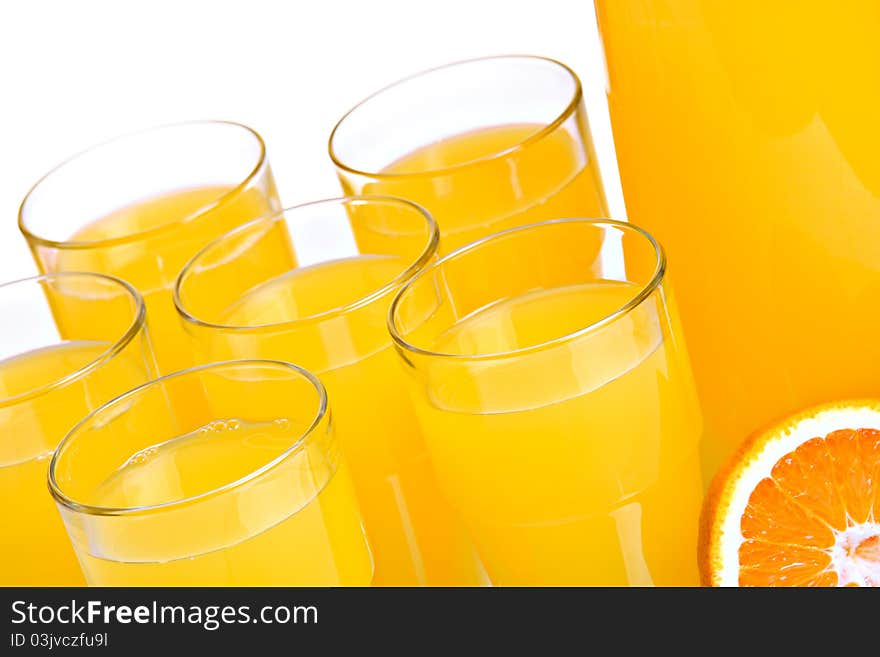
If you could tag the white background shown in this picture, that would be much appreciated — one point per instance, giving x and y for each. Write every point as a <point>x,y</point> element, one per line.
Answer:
<point>76,73</point>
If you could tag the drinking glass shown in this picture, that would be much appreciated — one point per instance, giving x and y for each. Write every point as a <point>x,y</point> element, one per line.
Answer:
<point>483,145</point>
<point>140,205</point>
<point>557,402</point>
<point>68,343</point>
<point>312,285</point>
<point>252,491</point>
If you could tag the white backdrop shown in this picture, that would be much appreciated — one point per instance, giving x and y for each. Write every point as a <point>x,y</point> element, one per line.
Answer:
<point>76,73</point>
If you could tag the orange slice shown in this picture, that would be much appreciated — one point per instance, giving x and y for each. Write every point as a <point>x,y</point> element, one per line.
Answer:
<point>799,504</point>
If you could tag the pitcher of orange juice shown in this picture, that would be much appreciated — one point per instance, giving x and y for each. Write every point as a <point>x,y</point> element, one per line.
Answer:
<point>747,139</point>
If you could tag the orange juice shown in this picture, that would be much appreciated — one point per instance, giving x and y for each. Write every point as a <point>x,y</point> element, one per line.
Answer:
<point>152,261</point>
<point>578,464</point>
<point>34,549</point>
<point>140,205</point>
<point>747,143</point>
<point>486,180</point>
<point>247,489</point>
<point>301,530</point>
<point>415,537</point>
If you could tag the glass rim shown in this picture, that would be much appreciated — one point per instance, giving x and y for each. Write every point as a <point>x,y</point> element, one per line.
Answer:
<point>430,249</point>
<point>645,291</point>
<point>127,238</point>
<point>138,322</point>
<point>62,498</point>
<point>569,109</point>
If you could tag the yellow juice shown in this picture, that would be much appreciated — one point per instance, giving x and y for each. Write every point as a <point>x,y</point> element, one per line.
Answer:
<point>415,537</point>
<point>297,527</point>
<point>574,464</point>
<point>755,164</point>
<point>147,244</point>
<point>472,194</point>
<point>34,549</point>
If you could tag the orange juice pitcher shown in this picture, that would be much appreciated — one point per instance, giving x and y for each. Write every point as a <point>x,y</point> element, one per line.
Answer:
<point>747,141</point>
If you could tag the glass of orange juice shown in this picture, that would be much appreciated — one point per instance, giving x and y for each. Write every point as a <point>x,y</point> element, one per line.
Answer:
<point>253,492</point>
<point>484,145</point>
<point>140,205</point>
<point>756,167</point>
<point>557,402</point>
<point>52,374</point>
<point>312,285</point>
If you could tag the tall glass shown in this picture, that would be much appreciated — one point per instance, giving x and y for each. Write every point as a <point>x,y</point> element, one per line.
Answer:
<point>756,166</point>
<point>556,398</point>
<point>312,285</point>
<point>68,343</point>
<point>253,492</point>
<point>484,145</point>
<point>139,206</point>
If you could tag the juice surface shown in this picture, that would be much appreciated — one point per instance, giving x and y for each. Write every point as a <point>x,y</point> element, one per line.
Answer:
<point>307,291</point>
<point>747,144</point>
<point>415,536</point>
<point>34,548</point>
<point>471,194</point>
<point>163,233</point>
<point>578,465</point>
<point>299,528</point>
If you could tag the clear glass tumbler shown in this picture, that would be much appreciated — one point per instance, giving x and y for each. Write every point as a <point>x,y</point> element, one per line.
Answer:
<point>312,285</point>
<point>554,390</point>
<point>139,206</point>
<point>484,144</point>
<point>251,490</point>
<point>68,343</point>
